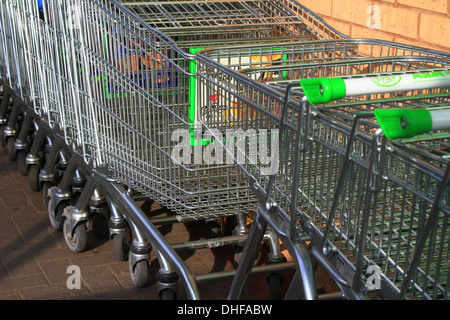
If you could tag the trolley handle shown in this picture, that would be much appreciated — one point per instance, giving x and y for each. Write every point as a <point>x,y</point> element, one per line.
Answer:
<point>396,123</point>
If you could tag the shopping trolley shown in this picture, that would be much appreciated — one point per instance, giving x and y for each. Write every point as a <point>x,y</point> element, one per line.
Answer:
<point>199,193</point>
<point>62,75</point>
<point>204,24</point>
<point>120,135</point>
<point>404,210</point>
<point>32,69</point>
<point>217,23</point>
<point>281,58</point>
<point>301,201</point>
<point>100,120</point>
<point>15,86</point>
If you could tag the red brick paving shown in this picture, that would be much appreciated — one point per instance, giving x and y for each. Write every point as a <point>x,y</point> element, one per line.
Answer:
<point>34,257</point>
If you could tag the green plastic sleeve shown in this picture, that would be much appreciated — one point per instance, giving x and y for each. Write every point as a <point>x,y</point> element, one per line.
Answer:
<point>399,123</point>
<point>323,90</point>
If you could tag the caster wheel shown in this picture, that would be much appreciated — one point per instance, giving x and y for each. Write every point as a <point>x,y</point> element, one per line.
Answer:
<point>100,225</point>
<point>45,187</point>
<point>56,220</point>
<point>33,177</point>
<point>21,164</point>
<point>168,294</point>
<point>2,135</point>
<point>77,241</point>
<point>275,282</point>
<point>10,147</point>
<point>121,247</point>
<point>139,273</point>
<point>214,229</point>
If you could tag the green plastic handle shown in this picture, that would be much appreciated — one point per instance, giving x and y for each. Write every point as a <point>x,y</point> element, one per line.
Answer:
<point>399,123</point>
<point>323,90</point>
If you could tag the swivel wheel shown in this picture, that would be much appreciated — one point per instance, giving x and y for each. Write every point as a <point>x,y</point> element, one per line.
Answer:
<point>2,135</point>
<point>213,228</point>
<point>11,148</point>
<point>45,196</point>
<point>21,163</point>
<point>168,294</point>
<point>120,247</point>
<point>33,177</point>
<point>55,215</point>
<point>275,282</point>
<point>76,240</point>
<point>100,225</point>
<point>139,272</point>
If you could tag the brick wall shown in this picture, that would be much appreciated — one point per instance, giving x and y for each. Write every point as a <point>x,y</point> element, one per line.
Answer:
<point>425,23</point>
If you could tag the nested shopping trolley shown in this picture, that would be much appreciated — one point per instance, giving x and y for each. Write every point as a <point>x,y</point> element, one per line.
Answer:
<point>362,202</point>
<point>216,23</point>
<point>20,82</point>
<point>281,55</point>
<point>122,130</point>
<point>32,80</point>
<point>97,113</point>
<point>119,67</point>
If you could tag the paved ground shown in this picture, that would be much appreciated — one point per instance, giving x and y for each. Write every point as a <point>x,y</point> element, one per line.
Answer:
<point>34,257</point>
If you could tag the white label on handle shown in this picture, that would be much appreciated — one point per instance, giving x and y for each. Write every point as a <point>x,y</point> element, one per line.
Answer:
<point>394,83</point>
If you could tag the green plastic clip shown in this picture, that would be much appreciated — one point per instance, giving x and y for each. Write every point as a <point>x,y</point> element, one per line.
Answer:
<point>399,123</point>
<point>323,90</point>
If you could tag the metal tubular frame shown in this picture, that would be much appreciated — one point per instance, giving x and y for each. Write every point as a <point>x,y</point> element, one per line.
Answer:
<point>102,84</point>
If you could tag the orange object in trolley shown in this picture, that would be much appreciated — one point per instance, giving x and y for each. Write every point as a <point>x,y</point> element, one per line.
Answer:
<point>138,62</point>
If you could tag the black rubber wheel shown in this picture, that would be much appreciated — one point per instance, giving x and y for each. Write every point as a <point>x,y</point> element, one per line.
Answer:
<point>21,163</point>
<point>78,241</point>
<point>10,147</point>
<point>139,273</point>
<point>2,135</point>
<point>275,282</point>
<point>121,247</point>
<point>56,221</point>
<point>100,225</point>
<point>214,229</point>
<point>167,294</point>
<point>45,187</point>
<point>33,177</point>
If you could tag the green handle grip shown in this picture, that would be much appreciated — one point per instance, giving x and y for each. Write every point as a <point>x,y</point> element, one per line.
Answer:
<point>323,90</point>
<point>399,123</point>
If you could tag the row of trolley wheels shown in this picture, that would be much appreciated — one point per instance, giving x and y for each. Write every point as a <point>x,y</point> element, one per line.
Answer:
<point>19,128</point>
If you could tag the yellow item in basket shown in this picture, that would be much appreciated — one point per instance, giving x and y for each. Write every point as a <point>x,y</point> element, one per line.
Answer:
<point>266,58</point>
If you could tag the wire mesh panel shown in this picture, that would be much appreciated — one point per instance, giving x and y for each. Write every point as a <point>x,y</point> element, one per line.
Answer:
<point>331,183</point>
<point>173,125</point>
<point>131,88</point>
<point>246,56</point>
<point>277,76</point>
<point>14,48</point>
<point>34,51</point>
<point>282,56</point>
<point>213,23</point>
